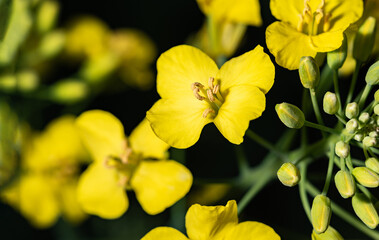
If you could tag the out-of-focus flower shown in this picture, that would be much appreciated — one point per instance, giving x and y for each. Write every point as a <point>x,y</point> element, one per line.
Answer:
<point>195,92</point>
<point>121,164</point>
<point>47,185</point>
<point>308,27</point>
<point>215,222</point>
<point>210,193</point>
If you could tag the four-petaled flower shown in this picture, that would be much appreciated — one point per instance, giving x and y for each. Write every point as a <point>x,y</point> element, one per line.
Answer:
<point>308,27</point>
<point>195,92</point>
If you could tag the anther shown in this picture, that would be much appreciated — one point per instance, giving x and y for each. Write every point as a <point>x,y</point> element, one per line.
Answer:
<point>196,85</point>
<point>197,95</point>
<point>210,82</point>
<point>208,111</point>
<point>216,88</point>
<point>210,95</point>
<point>126,154</point>
<point>108,163</point>
<point>321,5</point>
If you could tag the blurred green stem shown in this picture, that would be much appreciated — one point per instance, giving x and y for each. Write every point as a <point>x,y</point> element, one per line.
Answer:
<point>302,190</point>
<point>330,170</point>
<point>353,82</point>
<point>364,95</point>
<point>321,127</point>
<point>337,89</point>
<point>316,108</point>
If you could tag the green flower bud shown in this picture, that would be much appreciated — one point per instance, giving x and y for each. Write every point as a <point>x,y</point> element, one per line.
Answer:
<point>364,117</point>
<point>342,149</point>
<point>309,72</point>
<point>365,210</point>
<point>376,109</point>
<point>352,110</point>
<point>345,183</point>
<point>51,44</point>
<point>373,164</point>
<point>47,15</point>
<point>366,177</point>
<point>329,234</point>
<point>352,125</point>
<point>68,91</point>
<point>337,57</point>
<point>321,213</point>
<point>358,137</point>
<point>364,40</point>
<point>372,76</point>
<point>376,96</point>
<point>290,115</point>
<point>8,83</point>
<point>331,103</point>
<point>373,134</point>
<point>288,174</point>
<point>369,141</point>
<point>27,81</point>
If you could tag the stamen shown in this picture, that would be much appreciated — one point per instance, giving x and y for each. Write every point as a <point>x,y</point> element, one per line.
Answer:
<point>326,25</point>
<point>197,95</point>
<point>300,23</point>
<point>210,95</point>
<point>123,180</point>
<point>208,111</point>
<point>210,82</point>
<point>196,85</point>
<point>125,155</point>
<point>109,162</point>
<point>307,13</point>
<point>321,5</point>
<point>318,16</point>
<point>216,89</point>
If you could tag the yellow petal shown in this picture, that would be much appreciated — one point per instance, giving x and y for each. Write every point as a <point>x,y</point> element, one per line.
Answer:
<point>326,42</point>
<point>242,104</point>
<point>164,233</point>
<point>100,193</point>
<point>288,45</point>
<point>204,223</point>
<point>343,13</point>
<point>287,11</point>
<point>252,68</point>
<point>252,231</point>
<point>179,121</point>
<point>69,202</point>
<point>144,141</point>
<point>160,184</point>
<point>102,133</point>
<point>181,66</point>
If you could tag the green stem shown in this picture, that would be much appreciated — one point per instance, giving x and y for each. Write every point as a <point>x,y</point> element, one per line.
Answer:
<point>212,34</point>
<point>321,127</point>
<point>337,89</point>
<point>346,216</point>
<point>349,163</point>
<point>316,108</point>
<point>330,170</point>
<point>367,193</point>
<point>302,190</point>
<point>315,150</point>
<point>353,82</point>
<point>365,152</point>
<point>364,95</point>
<point>340,118</point>
<point>243,164</point>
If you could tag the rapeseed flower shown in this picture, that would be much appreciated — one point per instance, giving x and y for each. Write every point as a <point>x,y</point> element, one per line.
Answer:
<point>122,164</point>
<point>308,27</point>
<point>215,222</point>
<point>195,92</point>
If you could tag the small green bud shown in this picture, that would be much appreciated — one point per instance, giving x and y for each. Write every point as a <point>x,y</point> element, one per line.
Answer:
<point>364,117</point>
<point>352,110</point>
<point>372,76</point>
<point>290,115</point>
<point>373,134</point>
<point>358,137</point>
<point>364,40</point>
<point>309,72</point>
<point>366,177</point>
<point>365,210</point>
<point>337,57</point>
<point>376,96</point>
<point>52,43</point>
<point>27,81</point>
<point>369,141</point>
<point>331,103</point>
<point>352,125</point>
<point>345,183</point>
<point>47,15</point>
<point>376,109</point>
<point>68,91</point>
<point>321,213</point>
<point>288,174</point>
<point>329,234</point>
<point>373,164</point>
<point>342,149</point>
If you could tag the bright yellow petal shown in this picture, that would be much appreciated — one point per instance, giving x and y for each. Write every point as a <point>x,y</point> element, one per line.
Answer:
<point>204,223</point>
<point>252,231</point>
<point>252,68</point>
<point>287,11</point>
<point>178,122</point>
<point>102,133</point>
<point>343,13</point>
<point>164,233</point>
<point>327,41</point>
<point>144,141</point>
<point>160,184</point>
<point>181,66</point>
<point>69,202</point>
<point>242,104</point>
<point>99,192</point>
<point>288,45</point>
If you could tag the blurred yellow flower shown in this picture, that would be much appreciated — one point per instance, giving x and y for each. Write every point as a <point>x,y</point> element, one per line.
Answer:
<point>195,92</point>
<point>46,188</point>
<point>308,27</point>
<point>121,164</point>
<point>215,222</point>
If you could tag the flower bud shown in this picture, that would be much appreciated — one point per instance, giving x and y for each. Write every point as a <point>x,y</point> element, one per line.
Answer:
<point>373,134</point>
<point>288,174</point>
<point>290,115</point>
<point>369,141</point>
<point>331,103</point>
<point>358,137</point>
<point>352,110</point>
<point>364,117</point>
<point>320,213</point>
<point>365,210</point>
<point>329,234</point>
<point>27,81</point>
<point>337,57</point>
<point>364,40</point>
<point>376,109</point>
<point>309,72</point>
<point>68,91</point>
<point>47,15</point>
<point>376,96</point>
<point>373,164</point>
<point>51,44</point>
<point>8,83</point>
<point>345,183</point>
<point>366,177</point>
<point>352,125</point>
<point>372,76</point>
<point>342,149</point>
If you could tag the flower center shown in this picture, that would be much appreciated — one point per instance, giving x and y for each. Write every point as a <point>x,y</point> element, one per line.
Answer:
<point>125,164</point>
<point>313,23</point>
<point>211,95</point>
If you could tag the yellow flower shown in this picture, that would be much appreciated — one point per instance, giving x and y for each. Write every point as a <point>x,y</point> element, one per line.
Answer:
<point>216,223</point>
<point>121,165</point>
<point>195,92</point>
<point>46,188</point>
<point>308,27</point>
